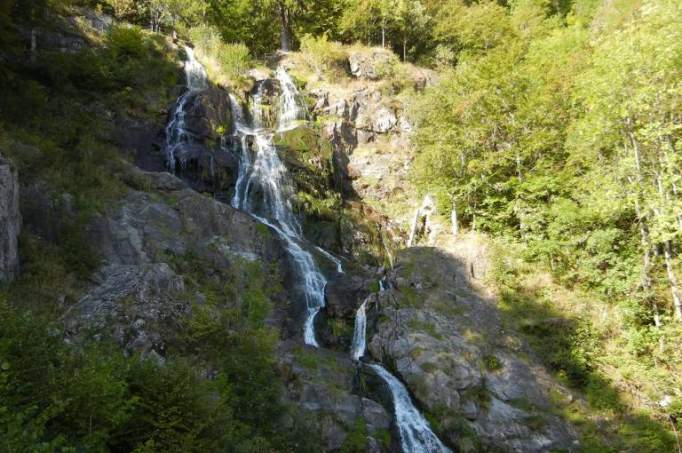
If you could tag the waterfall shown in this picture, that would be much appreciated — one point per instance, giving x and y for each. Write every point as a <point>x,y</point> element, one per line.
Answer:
<point>176,131</point>
<point>290,111</point>
<point>360,332</point>
<point>265,190</point>
<point>332,258</point>
<point>415,433</point>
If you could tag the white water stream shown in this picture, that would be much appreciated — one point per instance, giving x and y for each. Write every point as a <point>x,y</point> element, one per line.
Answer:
<point>415,433</point>
<point>176,130</point>
<point>265,190</point>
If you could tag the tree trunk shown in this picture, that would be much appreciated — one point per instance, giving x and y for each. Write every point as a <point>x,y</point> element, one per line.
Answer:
<point>646,266</point>
<point>404,49</point>
<point>383,35</point>
<point>672,279</point>
<point>647,246</point>
<point>453,220</point>
<point>284,34</point>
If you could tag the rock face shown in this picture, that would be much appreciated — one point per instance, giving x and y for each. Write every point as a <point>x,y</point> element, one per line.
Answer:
<point>320,381</point>
<point>207,163</point>
<point>371,64</point>
<point>448,345</point>
<point>137,295</point>
<point>10,221</point>
<point>209,116</point>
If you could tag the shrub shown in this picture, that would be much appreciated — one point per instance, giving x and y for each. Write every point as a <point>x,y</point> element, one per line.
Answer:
<point>225,62</point>
<point>321,54</point>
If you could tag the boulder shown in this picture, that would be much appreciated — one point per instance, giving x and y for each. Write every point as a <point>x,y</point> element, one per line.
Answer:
<point>10,221</point>
<point>208,116</point>
<point>321,382</point>
<point>207,170</point>
<point>371,64</point>
<point>449,346</point>
<point>139,301</point>
<point>343,295</point>
<point>384,120</point>
<point>145,228</point>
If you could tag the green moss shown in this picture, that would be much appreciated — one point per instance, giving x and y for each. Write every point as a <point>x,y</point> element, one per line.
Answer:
<point>409,297</point>
<point>492,363</point>
<point>356,441</point>
<point>375,286</point>
<point>423,326</point>
<point>263,230</point>
<point>307,358</point>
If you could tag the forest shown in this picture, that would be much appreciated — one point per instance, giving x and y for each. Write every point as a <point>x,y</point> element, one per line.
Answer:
<point>554,128</point>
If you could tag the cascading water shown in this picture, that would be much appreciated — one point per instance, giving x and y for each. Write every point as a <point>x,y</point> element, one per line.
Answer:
<point>290,111</point>
<point>359,333</point>
<point>332,258</point>
<point>415,433</point>
<point>264,189</point>
<point>176,131</point>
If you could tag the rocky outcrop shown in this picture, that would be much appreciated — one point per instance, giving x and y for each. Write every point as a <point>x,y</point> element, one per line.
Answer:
<point>208,116</point>
<point>371,64</point>
<point>321,381</point>
<point>449,346</point>
<point>137,295</point>
<point>207,162</point>
<point>10,221</point>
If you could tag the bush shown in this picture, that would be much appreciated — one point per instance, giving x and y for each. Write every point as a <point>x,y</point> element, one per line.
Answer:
<point>322,54</point>
<point>225,62</point>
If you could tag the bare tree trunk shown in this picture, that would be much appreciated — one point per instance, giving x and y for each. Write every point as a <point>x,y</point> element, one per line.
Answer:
<point>646,265</point>
<point>647,246</point>
<point>404,49</point>
<point>672,279</point>
<point>453,219</point>
<point>383,35</point>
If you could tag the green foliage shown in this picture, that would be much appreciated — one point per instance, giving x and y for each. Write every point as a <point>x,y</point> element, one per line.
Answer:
<point>356,441</point>
<point>323,55</point>
<point>492,363</point>
<point>227,63</point>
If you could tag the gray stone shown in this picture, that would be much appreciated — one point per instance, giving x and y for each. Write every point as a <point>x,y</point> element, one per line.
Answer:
<point>440,349</point>
<point>371,64</point>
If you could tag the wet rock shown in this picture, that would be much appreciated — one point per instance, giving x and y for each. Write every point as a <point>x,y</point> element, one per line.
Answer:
<point>269,89</point>
<point>10,221</point>
<point>375,415</point>
<point>321,382</point>
<point>209,116</point>
<point>343,293</point>
<point>207,170</point>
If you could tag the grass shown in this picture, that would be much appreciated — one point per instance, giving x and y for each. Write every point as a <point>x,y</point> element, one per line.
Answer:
<point>425,326</point>
<point>227,64</point>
